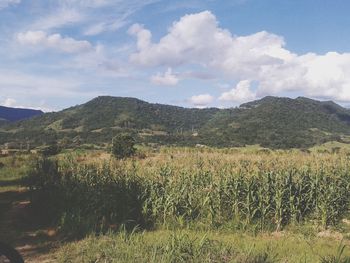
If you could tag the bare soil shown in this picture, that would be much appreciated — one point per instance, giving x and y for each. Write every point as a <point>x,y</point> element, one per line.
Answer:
<point>22,227</point>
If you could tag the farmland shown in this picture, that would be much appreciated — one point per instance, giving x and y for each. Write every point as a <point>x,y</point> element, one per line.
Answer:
<point>200,205</point>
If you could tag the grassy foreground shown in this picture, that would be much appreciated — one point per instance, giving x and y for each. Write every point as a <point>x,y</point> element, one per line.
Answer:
<point>191,205</point>
<point>12,171</point>
<point>190,246</point>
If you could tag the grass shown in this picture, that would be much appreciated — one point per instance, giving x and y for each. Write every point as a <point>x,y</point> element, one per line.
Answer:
<point>331,147</point>
<point>190,246</point>
<point>13,169</point>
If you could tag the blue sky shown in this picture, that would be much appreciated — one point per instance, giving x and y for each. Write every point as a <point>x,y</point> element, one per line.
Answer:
<point>195,53</point>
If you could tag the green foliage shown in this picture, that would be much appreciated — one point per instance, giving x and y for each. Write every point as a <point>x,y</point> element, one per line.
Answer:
<point>86,198</point>
<point>338,258</point>
<point>175,247</point>
<point>123,146</point>
<point>51,149</point>
<point>13,171</point>
<point>195,246</point>
<point>245,195</point>
<point>271,122</point>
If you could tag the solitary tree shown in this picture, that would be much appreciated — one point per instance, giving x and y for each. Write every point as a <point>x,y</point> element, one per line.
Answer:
<point>51,149</point>
<point>123,146</point>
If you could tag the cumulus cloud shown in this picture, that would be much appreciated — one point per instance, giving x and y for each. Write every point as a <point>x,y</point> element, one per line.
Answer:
<point>241,93</point>
<point>54,41</point>
<point>166,79</point>
<point>201,100</point>
<point>197,39</point>
<point>6,3</point>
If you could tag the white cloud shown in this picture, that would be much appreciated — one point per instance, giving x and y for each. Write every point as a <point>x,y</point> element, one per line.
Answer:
<point>88,14</point>
<point>9,102</point>
<point>54,41</point>
<point>99,63</point>
<point>97,22</point>
<point>12,103</point>
<point>6,3</point>
<point>197,39</point>
<point>16,84</point>
<point>104,27</point>
<point>241,93</point>
<point>58,18</point>
<point>166,79</point>
<point>143,38</point>
<point>201,100</point>
<point>88,3</point>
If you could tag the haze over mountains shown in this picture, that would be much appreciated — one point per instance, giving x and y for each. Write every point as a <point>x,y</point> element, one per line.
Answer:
<point>8,114</point>
<point>271,122</point>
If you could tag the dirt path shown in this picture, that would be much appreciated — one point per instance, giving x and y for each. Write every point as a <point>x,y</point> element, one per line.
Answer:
<point>20,226</point>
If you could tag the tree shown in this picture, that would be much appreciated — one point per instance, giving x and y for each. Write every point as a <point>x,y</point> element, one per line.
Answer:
<point>51,149</point>
<point>123,146</point>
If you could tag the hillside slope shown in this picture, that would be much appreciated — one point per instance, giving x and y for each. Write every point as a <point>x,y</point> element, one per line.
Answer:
<point>16,114</point>
<point>272,122</point>
<point>99,119</point>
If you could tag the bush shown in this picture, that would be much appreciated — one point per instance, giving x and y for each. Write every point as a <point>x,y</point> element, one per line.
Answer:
<point>51,149</point>
<point>123,146</point>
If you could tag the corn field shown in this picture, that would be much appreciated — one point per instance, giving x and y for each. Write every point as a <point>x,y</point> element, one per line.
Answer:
<point>196,188</point>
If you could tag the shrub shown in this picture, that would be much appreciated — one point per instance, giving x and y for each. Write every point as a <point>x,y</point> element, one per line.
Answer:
<point>51,149</point>
<point>123,146</point>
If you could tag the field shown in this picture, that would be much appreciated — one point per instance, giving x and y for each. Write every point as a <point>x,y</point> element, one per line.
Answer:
<point>191,204</point>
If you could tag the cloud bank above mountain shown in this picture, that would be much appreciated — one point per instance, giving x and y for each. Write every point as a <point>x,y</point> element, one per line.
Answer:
<point>190,54</point>
<point>261,57</point>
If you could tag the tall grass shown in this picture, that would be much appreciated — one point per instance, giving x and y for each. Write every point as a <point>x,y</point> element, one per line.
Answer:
<point>197,246</point>
<point>204,189</point>
<point>174,247</point>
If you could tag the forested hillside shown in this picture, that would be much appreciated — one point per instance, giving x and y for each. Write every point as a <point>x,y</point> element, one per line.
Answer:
<point>271,122</point>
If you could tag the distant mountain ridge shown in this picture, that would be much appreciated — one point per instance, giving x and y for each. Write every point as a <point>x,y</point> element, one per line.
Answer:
<point>17,114</point>
<point>271,122</point>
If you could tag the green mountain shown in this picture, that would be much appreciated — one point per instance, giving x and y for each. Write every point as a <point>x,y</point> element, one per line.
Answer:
<point>272,122</point>
<point>281,123</point>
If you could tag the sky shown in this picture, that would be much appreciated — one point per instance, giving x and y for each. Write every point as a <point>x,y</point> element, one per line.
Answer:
<point>196,53</point>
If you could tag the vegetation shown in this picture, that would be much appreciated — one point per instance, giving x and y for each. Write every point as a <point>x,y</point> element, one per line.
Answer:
<point>189,246</point>
<point>14,169</point>
<point>201,190</point>
<point>51,149</point>
<point>193,204</point>
<point>123,146</point>
<point>270,122</point>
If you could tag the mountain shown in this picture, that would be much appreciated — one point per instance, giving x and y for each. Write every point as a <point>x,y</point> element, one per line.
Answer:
<point>15,114</point>
<point>98,120</point>
<point>271,122</point>
<point>281,122</point>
